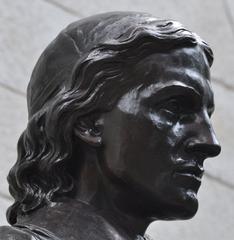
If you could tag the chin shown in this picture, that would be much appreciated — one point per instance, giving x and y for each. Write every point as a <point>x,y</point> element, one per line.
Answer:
<point>187,206</point>
<point>183,202</point>
<point>181,206</point>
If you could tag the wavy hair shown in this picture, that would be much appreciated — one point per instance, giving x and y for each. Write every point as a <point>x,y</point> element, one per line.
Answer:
<point>69,87</point>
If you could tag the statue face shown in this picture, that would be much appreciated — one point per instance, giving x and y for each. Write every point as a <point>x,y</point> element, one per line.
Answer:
<point>159,133</point>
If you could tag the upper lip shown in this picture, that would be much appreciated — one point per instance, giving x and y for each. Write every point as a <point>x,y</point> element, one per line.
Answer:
<point>196,171</point>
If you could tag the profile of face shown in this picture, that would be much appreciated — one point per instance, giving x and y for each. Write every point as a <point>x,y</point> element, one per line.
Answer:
<point>147,83</point>
<point>158,135</point>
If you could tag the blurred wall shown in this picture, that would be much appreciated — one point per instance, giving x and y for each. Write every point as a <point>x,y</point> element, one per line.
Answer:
<point>26,28</point>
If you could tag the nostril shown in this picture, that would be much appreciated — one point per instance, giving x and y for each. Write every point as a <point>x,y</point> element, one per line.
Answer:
<point>206,149</point>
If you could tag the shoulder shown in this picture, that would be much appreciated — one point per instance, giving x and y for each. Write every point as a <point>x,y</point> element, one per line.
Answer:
<point>25,232</point>
<point>12,233</point>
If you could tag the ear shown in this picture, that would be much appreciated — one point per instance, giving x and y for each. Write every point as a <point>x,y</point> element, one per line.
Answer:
<point>89,130</point>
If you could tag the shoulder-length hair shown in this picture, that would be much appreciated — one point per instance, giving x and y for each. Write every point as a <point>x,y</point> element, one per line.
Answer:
<point>69,81</point>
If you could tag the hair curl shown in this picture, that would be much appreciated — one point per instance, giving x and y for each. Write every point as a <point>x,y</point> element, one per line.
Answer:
<point>45,148</point>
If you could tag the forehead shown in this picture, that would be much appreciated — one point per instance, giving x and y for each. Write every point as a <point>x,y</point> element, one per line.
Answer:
<point>171,72</point>
<point>183,66</point>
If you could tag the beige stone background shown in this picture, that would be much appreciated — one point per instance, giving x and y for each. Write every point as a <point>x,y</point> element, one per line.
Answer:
<point>27,26</point>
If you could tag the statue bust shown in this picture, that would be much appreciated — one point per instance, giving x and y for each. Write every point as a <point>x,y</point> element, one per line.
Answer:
<point>119,109</point>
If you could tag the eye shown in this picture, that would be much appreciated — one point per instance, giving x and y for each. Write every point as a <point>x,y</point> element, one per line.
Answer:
<point>177,107</point>
<point>172,106</point>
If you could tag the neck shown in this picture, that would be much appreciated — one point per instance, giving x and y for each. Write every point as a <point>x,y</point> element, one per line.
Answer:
<point>99,203</point>
<point>110,198</point>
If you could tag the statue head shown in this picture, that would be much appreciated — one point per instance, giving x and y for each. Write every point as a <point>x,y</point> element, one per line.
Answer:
<point>132,90</point>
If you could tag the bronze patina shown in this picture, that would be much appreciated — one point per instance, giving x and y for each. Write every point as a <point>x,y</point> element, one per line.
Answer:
<point>119,108</point>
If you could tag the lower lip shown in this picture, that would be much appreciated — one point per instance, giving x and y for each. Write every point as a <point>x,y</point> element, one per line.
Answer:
<point>187,180</point>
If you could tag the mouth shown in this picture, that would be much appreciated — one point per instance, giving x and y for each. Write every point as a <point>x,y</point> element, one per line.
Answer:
<point>191,171</point>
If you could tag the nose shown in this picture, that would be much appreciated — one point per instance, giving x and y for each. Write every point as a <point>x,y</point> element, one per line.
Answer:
<point>206,143</point>
<point>205,149</point>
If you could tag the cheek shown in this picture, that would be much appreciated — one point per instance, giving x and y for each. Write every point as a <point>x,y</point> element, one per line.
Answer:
<point>163,130</point>
<point>137,146</point>
<point>144,152</point>
<point>172,131</point>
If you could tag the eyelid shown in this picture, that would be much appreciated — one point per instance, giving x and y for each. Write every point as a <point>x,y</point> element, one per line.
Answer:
<point>190,99</point>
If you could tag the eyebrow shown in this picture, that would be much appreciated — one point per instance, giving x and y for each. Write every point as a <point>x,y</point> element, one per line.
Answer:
<point>173,89</point>
<point>190,79</point>
<point>196,81</point>
<point>179,89</point>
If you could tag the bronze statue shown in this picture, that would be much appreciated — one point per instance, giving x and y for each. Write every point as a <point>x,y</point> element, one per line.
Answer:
<point>119,126</point>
